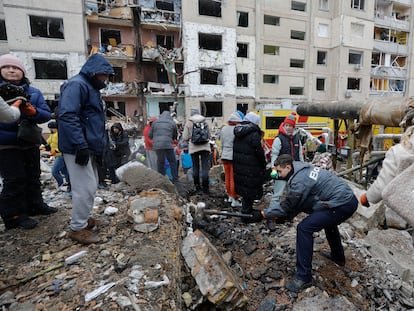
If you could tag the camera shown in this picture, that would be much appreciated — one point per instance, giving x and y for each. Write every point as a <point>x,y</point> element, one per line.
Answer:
<point>10,93</point>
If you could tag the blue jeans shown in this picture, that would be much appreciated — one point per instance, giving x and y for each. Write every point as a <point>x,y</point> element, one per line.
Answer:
<point>168,154</point>
<point>59,169</point>
<point>197,157</point>
<point>327,219</point>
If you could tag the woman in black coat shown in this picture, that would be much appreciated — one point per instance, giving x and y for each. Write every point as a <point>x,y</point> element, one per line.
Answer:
<point>119,151</point>
<point>249,161</point>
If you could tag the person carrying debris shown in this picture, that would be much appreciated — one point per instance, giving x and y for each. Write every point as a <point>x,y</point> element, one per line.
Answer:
<point>118,152</point>
<point>327,199</point>
<point>286,142</point>
<point>226,143</point>
<point>197,134</point>
<point>21,195</point>
<point>249,163</point>
<point>82,140</point>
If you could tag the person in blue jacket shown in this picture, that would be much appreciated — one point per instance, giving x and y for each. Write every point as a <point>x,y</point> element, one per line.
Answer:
<point>327,199</point>
<point>82,140</point>
<point>21,196</point>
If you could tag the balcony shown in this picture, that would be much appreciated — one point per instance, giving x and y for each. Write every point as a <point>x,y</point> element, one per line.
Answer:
<point>123,52</point>
<point>121,89</point>
<point>389,72</point>
<point>392,22</point>
<point>151,53</point>
<point>390,47</point>
<point>160,19</point>
<point>117,16</point>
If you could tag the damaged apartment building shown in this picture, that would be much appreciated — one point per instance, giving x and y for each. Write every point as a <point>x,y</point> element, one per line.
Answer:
<point>216,55</point>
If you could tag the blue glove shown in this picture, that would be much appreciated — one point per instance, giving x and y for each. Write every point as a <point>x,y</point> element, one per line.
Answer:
<point>82,157</point>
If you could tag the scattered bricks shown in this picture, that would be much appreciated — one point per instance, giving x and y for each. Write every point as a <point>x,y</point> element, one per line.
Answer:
<point>151,216</point>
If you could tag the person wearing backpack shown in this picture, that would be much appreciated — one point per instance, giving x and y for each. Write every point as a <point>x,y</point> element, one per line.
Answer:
<point>197,133</point>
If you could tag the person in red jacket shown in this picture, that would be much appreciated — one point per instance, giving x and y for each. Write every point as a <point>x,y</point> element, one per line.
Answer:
<point>150,153</point>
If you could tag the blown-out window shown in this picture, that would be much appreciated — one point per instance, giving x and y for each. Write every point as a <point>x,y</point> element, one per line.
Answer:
<point>209,7</point>
<point>3,33</point>
<point>50,69</point>
<point>46,27</point>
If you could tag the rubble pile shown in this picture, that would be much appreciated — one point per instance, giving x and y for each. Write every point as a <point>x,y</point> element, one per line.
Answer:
<point>156,256</point>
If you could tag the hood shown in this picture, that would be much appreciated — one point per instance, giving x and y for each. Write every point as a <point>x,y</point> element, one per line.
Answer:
<point>246,128</point>
<point>96,64</point>
<point>165,115</point>
<point>118,126</point>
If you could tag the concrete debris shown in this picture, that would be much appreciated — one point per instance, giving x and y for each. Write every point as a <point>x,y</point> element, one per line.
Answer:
<point>213,277</point>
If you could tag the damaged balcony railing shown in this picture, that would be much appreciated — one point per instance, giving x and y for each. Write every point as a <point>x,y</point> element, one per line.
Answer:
<point>121,51</point>
<point>122,88</point>
<point>160,16</point>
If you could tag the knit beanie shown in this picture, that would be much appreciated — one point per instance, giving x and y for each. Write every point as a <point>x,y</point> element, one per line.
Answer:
<point>11,60</point>
<point>321,148</point>
<point>235,118</point>
<point>291,119</point>
<point>252,117</point>
<point>194,111</point>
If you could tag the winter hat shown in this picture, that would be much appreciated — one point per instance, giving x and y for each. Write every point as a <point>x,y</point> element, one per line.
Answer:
<point>252,117</point>
<point>235,118</point>
<point>321,148</point>
<point>11,60</point>
<point>241,114</point>
<point>291,119</point>
<point>194,110</point>
<point>52,125</point>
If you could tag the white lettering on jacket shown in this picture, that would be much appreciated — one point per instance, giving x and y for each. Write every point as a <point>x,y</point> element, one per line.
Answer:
<point>314,173</point>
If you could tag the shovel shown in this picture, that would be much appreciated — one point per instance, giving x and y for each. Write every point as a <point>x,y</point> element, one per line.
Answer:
<point>201,211</point>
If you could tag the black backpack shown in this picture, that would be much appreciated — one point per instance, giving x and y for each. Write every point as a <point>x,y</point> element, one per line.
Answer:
<point>200,135</point>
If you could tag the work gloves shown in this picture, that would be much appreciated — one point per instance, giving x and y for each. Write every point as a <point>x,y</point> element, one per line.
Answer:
<point>28,109</point>
<point>82,157</point>
<point>363,199</point>
<point>273,174</point>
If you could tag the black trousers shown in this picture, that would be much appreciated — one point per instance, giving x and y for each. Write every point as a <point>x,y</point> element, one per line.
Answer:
<point>20,171</point>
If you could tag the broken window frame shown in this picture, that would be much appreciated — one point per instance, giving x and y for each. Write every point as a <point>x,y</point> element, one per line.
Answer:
<point>271,20</point>
<point>120,106</point>
<point>212,109</point>
<point>211,76</point>
<point>242,19</point>
<point>296,90</point>
<point>168,41</point>
<point>118,76</point>
<point>166,106</point>
<point>164,5</point>
<point>353,84</point>
<point>242,50</point>
<point>40,27</point>
<point>162,74</point>
<point>358,4</point>
<point>297,35</point>
<point>297,63</point>
<point>298,6</point>
<point>355,57</point>
<point>320,84</point>
<point>270,79</point>
<point>242,80</point>
<point>3,32</point>
<point>209,8</point>
<point>270,50</point>
<point>321,58</point>
<point>104,36</point>
<point>212,42</point>
<point>48,69</point>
